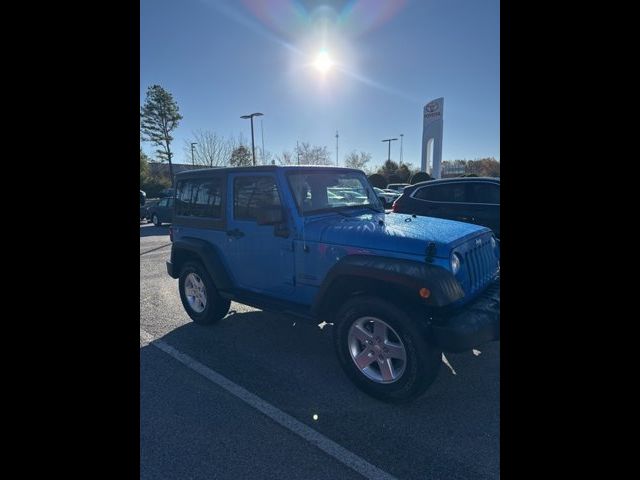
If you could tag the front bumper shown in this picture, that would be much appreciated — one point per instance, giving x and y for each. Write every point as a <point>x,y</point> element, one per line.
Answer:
<point>477,323</point>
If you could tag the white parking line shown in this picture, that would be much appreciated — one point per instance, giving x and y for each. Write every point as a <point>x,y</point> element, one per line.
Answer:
<point>331,448</point>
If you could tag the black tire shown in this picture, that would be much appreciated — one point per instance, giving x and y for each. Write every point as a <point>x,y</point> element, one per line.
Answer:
<point>156,221</point>
<point>423,359</point>
<point>216,307</point>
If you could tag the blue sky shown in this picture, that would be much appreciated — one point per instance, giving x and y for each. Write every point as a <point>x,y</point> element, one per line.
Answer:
<point>225,58</point>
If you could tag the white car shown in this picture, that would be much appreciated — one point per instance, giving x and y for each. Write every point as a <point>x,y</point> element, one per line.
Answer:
<point>398,187</point>
<point>387,197</point>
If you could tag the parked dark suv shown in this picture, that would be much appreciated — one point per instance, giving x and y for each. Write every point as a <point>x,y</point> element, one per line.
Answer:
<point>162,212</point>
<point>466,199</point>
<point>315,242</point>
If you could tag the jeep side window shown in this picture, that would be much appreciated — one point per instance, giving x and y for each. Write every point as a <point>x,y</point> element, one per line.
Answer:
<point>183,197</point>
<point>207,201</point>
<point>199,198</point>
<point>451,193</point>
<point>252,194</point>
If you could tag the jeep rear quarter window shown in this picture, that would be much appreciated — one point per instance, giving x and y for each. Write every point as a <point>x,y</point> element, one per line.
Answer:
<point>199,198</point>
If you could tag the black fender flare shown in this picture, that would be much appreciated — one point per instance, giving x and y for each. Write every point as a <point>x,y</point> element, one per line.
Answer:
<point>406,276</point>
<point>207,254</point>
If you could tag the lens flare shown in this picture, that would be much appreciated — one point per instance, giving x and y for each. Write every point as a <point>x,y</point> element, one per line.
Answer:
<point>309,29</point>
<point>323,62</point>
<point>291,18</point>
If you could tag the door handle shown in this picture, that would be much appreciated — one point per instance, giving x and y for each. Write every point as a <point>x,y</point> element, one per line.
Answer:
<point>235,233</point>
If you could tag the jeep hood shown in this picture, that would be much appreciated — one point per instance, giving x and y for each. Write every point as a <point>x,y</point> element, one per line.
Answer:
<point>395,232</point>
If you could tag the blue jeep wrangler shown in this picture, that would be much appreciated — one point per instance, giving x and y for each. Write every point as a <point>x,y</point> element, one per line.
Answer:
<point>315,242</point>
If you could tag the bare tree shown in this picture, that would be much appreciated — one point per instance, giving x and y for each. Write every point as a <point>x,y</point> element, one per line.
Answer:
<point>239,141</point>
<point>357,160</point>
<point>266,157</point>
<point>212,150</point>
<point>286,158</point>
<point>312,154</point>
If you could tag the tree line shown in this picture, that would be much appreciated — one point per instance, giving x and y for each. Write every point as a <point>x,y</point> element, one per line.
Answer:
<point>160,116</point>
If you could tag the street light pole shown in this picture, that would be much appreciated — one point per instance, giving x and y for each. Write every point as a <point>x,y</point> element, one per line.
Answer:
<point>193,163</point>
<point>389,140</point>
<point>401,138</point>
<point>262,135</point>
<point>253,145</point>
<point>337,147</point>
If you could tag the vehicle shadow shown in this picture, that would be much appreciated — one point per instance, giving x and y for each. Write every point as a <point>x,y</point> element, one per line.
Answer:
<point>279,344</point>
<point>153,231</point>
<point>291,363</point>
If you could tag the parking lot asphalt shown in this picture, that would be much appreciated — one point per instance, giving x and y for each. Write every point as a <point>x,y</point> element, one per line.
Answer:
<point>192,428</point>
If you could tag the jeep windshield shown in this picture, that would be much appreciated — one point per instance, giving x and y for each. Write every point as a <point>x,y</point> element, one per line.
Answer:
<point>326,191</point>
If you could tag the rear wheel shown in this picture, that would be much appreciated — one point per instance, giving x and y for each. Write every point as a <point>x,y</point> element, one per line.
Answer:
<point>383,350</point>
<point>156,221</point>
<point>199,295</point>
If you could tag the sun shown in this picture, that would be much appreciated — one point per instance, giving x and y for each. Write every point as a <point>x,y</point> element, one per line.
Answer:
<point>323,62</point>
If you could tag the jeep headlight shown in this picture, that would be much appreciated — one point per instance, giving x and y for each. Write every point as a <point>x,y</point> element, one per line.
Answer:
<point>455,263</point>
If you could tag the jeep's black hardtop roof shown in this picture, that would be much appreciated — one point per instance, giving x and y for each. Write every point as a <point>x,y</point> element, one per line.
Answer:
<point>262,168</point>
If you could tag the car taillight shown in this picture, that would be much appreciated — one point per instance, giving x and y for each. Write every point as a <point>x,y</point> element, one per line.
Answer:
<point>394,207</point>
<point>171,234</point>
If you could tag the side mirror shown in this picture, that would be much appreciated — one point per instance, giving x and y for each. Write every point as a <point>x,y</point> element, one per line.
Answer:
<point>271,215</point>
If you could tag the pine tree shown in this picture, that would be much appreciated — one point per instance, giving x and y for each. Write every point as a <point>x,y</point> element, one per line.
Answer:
<point>159,116</point>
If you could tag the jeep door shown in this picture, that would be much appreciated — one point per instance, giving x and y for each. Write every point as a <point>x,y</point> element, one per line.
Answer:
<point>260,256</point>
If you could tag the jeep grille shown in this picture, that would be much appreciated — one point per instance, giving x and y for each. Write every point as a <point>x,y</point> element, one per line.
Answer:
<point>481,264</point>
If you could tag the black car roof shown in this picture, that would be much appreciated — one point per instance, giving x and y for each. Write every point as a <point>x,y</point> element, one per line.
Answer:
<point>458,179</point>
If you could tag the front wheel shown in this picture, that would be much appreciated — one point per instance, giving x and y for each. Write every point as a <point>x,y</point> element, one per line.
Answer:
<point>156,221</point>
<point>384,351</point>
<point>199,295</point>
